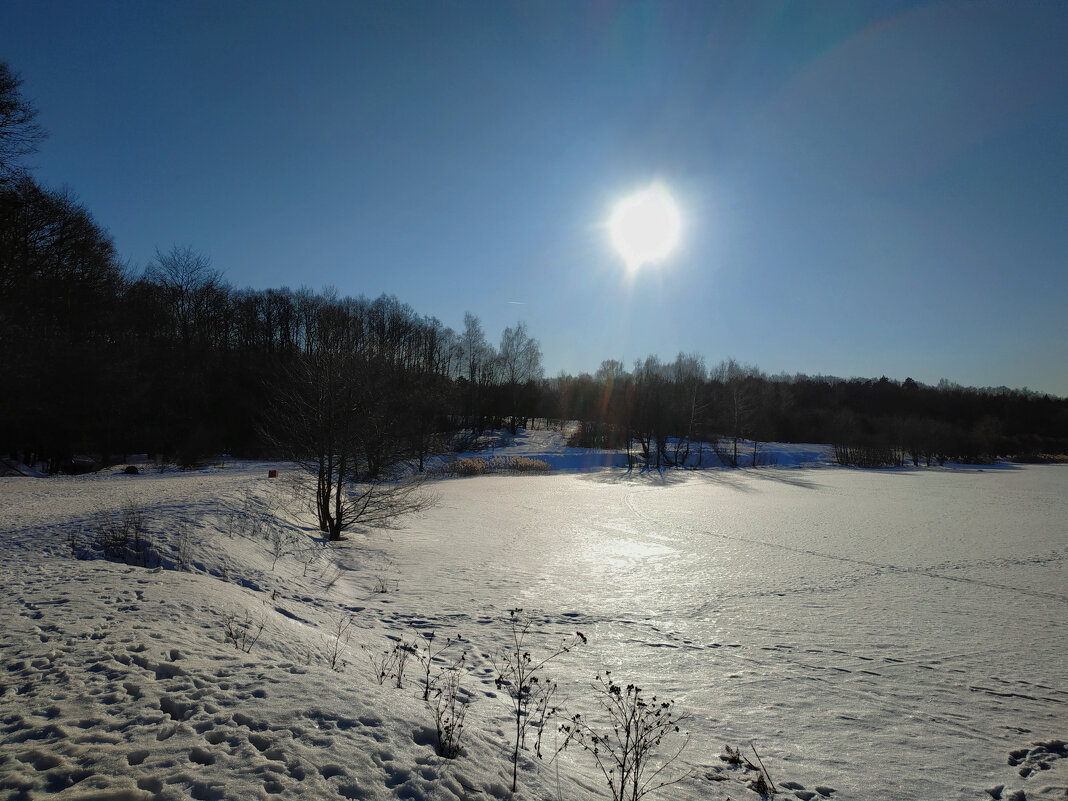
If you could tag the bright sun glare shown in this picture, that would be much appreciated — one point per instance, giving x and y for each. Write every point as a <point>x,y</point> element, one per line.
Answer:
<point>645,226</point>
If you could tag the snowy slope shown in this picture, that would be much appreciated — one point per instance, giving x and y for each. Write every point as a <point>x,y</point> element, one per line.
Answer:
<point>887,634</point>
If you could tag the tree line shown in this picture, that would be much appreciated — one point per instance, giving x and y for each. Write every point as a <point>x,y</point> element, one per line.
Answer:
<point>100,359</point>
<point>174,361</point>
<point>668,410</point>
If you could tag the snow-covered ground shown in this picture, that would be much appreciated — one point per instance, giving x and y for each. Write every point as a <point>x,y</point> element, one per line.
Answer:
<point>876,634</point>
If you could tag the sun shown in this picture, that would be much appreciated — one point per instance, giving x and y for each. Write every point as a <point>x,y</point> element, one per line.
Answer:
<point>645,226</point>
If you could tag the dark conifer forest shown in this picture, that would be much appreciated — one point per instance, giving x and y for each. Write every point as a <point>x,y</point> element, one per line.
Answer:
<point>99,361</point>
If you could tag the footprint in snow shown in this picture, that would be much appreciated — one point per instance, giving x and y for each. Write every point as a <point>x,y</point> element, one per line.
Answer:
<point>201,756</point>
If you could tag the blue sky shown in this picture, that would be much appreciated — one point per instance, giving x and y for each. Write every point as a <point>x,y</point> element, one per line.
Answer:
<point>867,188</point>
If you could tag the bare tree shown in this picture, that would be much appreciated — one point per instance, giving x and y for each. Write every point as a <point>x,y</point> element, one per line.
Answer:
<point>322,419</point>
<point>687,376</point>
<point>478,370</point>
<point>19,131</point>
<point>520,363</point>
<point>189,286</point>
<point>650,422</point>
<point>739,407</point>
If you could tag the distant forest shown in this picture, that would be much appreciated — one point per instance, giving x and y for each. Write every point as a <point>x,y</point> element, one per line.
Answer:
<point>99,360</point>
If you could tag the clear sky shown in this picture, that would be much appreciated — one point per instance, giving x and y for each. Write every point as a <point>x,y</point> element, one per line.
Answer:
<point>866,188</point>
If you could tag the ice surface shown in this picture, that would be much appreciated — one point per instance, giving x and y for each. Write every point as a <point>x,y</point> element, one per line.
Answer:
<point>881,634</point>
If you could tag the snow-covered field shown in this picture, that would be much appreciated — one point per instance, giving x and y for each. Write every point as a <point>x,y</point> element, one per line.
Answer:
<point>877,634</point>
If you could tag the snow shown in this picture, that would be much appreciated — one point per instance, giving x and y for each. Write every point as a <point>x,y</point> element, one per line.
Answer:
<point>876,634</point>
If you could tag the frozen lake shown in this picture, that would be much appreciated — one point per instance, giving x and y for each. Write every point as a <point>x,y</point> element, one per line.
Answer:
<point>892,634</point>
<point>888,634</point>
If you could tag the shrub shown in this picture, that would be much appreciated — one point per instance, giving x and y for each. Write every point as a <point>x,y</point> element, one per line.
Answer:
<point>183,549</point>
<point>244,632</point>
<point>1040,458</point>
<point>383,585</point>
<point>428,656</point>
<point>597,435</point>
<point>523,464</point>
<point>449,709</point>
<point>732,756</point>
<point>256,518</point>
<point>119,535</point>
<point>520,675</point>
<point>337,642</point>
<point>392,663</point>
<point>284,541</point>
<point>468,467</point>
<point>465,467</point>
<point>441,692</point>
<point>624,749</point>
<point>762,784</point>
<point>872,456</point>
